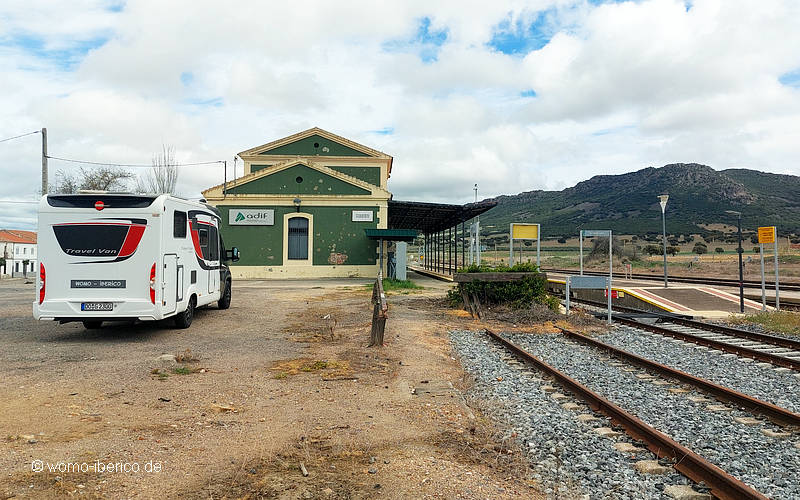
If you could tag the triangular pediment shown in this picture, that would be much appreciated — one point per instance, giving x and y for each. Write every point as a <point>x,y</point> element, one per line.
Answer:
<point>314,142</point>
<point>297,177</point>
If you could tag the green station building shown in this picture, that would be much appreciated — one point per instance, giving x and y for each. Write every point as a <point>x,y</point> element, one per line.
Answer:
<point>302,206</point>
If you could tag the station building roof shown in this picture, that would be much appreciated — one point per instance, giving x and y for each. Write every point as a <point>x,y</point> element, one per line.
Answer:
<point>433,217</point>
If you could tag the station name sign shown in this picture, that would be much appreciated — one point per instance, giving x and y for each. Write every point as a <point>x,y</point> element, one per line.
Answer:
<point>362,215</point>
<point>251,217</point>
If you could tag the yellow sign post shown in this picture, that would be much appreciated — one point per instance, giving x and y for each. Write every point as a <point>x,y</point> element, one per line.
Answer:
<point>767,234</point>
<point>520,231</point>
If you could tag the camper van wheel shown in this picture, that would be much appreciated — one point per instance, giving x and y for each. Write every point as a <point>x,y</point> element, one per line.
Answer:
<point>184,319</point>
<point>92,325</point>
<point>225,301</point>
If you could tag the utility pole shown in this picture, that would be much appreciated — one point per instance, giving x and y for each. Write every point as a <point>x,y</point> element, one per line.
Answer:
<point>44,161</point>
<point>477,230</point>
<point>663,202</point>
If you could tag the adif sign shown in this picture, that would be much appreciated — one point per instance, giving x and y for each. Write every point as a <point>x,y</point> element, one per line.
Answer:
<point>251,217</point>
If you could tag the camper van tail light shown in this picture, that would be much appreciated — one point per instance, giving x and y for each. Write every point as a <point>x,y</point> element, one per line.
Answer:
<point>42,282</point>
<point>153,284</point>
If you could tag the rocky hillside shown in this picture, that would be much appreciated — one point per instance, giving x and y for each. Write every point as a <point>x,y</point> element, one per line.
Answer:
<point>628,203</point>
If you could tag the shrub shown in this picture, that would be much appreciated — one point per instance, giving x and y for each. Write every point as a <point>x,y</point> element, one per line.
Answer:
<point>519,293</point>
<point>719,250</point>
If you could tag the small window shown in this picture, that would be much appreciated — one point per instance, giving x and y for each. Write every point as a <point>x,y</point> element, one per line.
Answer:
<point>298,179</point>
<point>179,224</point>
<point>213,243</point>
<point>202,236</point>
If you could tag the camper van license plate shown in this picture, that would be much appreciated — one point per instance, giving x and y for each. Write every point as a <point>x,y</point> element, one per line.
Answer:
<point>97,306</point>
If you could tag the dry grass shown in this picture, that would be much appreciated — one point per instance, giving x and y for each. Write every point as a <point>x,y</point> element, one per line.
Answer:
<point>329,369</point>
<point>775,321</point>
<point>186,357</point>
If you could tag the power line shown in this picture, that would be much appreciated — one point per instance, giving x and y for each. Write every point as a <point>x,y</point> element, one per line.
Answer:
<point>131,165</point>
<point>18,136</point>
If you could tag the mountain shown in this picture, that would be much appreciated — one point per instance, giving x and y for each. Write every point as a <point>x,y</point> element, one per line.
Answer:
<point>628,203</point>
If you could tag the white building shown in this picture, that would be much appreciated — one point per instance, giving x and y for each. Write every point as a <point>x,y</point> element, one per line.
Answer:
<point>18,250</point>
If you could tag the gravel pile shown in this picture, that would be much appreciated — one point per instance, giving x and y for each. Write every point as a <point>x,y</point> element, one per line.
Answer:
<point>569,460</point>
<point>781,387</point>
<point>765,463</point>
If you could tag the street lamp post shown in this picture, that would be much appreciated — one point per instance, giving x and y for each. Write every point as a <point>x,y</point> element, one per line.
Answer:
<point>662,199</point>
<point>740,250</point>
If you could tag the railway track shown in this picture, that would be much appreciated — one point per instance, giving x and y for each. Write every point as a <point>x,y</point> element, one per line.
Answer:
<point>773,349</point>
<point>694,466</point>
<point>770,285</point>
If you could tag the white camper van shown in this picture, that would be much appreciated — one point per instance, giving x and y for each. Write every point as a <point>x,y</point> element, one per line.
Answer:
<point>113,257</point>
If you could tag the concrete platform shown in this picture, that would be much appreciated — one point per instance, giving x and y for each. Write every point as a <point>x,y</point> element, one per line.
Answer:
<point>698,301</point>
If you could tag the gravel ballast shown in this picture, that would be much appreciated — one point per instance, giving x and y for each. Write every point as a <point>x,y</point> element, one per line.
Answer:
<point>569,459</point>
<point>765,463</point>
<point>780,387</point>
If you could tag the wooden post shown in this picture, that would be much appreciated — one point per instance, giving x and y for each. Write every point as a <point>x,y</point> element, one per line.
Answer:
<point>379,308</point>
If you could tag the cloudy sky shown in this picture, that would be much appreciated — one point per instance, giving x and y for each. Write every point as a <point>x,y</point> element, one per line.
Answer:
<point>512,95</point>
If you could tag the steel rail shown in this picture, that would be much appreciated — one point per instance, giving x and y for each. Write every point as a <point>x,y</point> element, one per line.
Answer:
<point>736,332</point>
<point>775,413</point>
<point>701,325</point>
<point>716,344</point>
<point>689,463</point>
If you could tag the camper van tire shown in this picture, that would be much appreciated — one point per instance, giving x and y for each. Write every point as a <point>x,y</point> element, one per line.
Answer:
<point>184,319</point>
<point>225,301</point>
<point>92,325</point>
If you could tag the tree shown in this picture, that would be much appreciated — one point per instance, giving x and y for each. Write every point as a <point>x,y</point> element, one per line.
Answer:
<point>562,240</point>
<point>673,250</point>
<point>92,179</point>
<point>163,176</point>
<point>600,248</point>
<point>700,248</point>
<point>719,250</point>
<point>652,250</point>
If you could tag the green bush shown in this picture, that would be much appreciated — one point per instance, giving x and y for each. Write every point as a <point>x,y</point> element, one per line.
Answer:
<point>518,294</point>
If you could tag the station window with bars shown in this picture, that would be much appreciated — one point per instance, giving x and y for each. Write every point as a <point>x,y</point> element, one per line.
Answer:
<point>298,238</point>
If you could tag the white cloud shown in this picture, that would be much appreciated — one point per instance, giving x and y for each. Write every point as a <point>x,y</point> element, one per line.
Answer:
<point>620,86</point>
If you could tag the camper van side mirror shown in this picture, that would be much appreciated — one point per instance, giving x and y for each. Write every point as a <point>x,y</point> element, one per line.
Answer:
<point>232,254</point>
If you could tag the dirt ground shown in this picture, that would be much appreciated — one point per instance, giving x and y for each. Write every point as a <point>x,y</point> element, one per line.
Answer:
<point>280,381</point>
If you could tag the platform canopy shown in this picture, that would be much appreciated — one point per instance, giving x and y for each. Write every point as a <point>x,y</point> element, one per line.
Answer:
<point>407,235</point>
<point>433,217</point>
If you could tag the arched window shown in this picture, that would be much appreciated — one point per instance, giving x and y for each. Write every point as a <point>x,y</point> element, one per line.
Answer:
<point>298,238</point>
